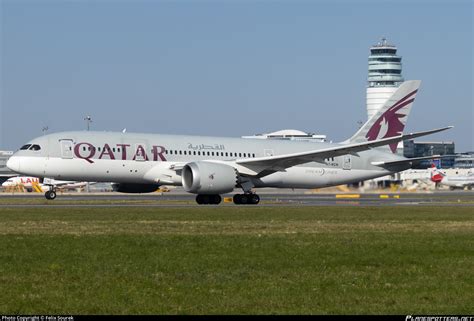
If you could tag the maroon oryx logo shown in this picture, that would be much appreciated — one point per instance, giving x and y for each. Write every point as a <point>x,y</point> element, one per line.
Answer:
<point>389,124</point>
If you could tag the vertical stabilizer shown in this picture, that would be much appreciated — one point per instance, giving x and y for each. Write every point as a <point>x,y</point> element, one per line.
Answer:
<point>390,120</point>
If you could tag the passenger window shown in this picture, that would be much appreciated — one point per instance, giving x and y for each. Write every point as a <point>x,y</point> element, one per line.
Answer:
<point>25,147</point>
<point>212,153</point>
<point>180,152</point>
<point>194,153</point>
<point>226,154</point>
<point>208,154</point>
<point>199,153</point>
<point>245,155</point>
<point>113,149</point>
<point>84,148</point>
<point>240,154</point>
<point>253,155</point>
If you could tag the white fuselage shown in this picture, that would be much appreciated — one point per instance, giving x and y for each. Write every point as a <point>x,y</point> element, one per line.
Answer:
<point>458,181</point>
<point>156,159</point>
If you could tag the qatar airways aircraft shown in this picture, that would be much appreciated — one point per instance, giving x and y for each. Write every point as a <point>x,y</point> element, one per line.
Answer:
<point>211,166</point>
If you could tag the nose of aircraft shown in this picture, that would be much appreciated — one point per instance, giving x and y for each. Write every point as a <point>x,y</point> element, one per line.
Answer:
<point>13,163</point>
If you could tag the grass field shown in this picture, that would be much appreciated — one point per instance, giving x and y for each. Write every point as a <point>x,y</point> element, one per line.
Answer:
<point>237,260</point>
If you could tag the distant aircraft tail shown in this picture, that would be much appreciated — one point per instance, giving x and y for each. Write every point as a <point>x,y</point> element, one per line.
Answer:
<point>390,120</point>
<point>436,176</point>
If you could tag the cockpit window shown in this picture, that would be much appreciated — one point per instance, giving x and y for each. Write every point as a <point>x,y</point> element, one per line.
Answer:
<point>35,147</point>
<point>24,147</point>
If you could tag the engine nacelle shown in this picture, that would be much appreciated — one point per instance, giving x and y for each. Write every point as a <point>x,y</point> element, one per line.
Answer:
<point>134,188</point>
<point>208,178</point>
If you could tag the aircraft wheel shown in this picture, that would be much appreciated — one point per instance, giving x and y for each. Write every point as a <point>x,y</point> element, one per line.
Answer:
<point>47,195</point>
<point>208,199</point>
<point>216,199</point>
<point>246,199</point>
<point>199,199</point>
<point>254,199</point>
<point>52,195</point>
<point>237,199</point>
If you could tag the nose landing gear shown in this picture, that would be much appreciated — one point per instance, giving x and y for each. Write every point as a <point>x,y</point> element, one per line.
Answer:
<point>51,194</point>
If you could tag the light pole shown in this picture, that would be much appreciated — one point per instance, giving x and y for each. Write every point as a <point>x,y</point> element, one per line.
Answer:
<point>88,120</point>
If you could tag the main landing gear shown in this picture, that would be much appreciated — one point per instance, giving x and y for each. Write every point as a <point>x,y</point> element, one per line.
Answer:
<point>51,194</point>
<point>244,199</point>
<point>248,198</point>
<point>208,199</point>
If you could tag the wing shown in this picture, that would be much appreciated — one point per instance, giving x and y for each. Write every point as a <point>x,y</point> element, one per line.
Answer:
<point>266,165</point>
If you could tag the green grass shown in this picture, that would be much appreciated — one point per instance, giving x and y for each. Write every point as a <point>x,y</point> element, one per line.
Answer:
<point>221,260</point>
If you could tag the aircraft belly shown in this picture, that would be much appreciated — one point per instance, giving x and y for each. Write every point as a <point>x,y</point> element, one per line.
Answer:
<point>316,177</point>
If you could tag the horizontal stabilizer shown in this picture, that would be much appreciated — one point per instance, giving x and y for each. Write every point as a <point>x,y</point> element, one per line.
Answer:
<point>405,161</point>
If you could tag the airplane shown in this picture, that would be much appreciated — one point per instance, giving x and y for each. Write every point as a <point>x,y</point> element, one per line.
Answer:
<point>29,182</point>
<point>212,166</point>
<point>453,182</point>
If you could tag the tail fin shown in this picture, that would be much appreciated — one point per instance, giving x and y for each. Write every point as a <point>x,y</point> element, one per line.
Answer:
<point>390,120</point>
<point>436,176</point>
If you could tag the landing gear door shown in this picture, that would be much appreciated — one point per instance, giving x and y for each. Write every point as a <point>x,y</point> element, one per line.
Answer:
<point>347,162</point>
<point>66,148</point>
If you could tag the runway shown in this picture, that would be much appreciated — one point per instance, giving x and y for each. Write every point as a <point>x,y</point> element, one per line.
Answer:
<point>268,199</point>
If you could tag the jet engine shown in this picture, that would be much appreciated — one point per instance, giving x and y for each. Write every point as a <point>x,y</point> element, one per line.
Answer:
<point>208,178</point>
<point>134,188</point>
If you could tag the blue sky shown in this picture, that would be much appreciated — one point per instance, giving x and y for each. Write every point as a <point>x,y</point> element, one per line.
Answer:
<point>227,68</point>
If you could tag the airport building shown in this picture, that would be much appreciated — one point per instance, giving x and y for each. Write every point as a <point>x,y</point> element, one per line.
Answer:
<point>385,75</point>
<point>419,149</point>
<point>464,160</point>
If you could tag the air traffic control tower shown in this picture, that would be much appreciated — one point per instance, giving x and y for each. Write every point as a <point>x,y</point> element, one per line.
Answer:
<point>385,75</point>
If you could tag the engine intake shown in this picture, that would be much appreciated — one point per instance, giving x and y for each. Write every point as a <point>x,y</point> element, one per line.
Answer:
<point>208,178</point>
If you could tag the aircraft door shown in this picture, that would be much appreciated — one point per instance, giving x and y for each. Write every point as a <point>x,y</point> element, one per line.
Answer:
<point>140,152</point>
<point>66,148</point>
<point>268,152</point>
<point>347,162</point>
